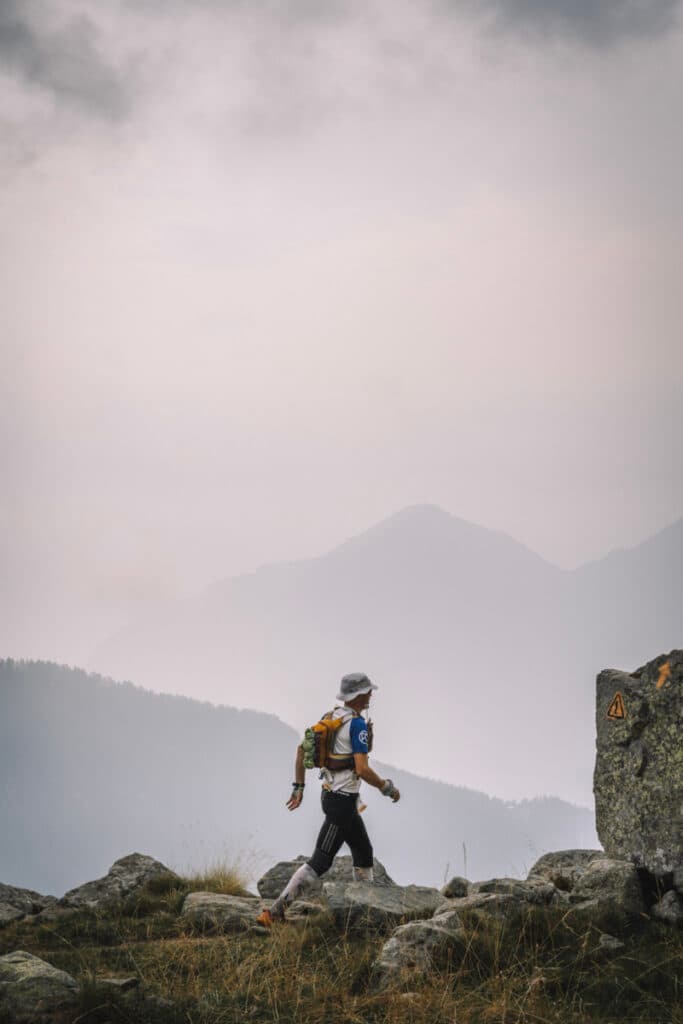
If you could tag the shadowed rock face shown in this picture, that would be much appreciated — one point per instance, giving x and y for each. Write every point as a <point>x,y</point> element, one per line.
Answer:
<point>638,780</point>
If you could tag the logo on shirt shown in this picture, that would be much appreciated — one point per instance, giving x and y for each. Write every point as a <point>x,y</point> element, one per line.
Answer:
<point>363,737</point>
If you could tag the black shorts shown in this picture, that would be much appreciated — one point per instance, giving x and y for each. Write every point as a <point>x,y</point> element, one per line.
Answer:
<point>343,824</point>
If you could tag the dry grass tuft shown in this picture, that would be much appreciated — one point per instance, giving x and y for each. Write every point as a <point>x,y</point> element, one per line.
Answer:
<point>221,876</point>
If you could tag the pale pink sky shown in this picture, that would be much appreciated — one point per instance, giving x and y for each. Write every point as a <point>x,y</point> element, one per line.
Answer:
<point>272,271</point>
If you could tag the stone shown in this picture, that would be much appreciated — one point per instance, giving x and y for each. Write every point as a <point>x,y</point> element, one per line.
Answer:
<point>118,984</point>
<point>456,887</point>
<point>32,991</point>
<point>534,891</point>
<point>413,947</point>
<point>273,882</point>
<point>608,946</point>
<point>495,904</point>
<point>678,879</point>
<point>609,884</point>
<point>17,903</point>
<point>638,778</point>
<point>564,868</point>
<point>212,910</point>
<point>360,906</point>
<point>505,897</point>
<point>8,913</point>
<point>669,909</point>
<point>300,909</point>
<point>125,878</point>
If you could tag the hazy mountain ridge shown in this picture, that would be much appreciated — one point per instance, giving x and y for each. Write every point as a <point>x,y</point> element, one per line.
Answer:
<point>109,767</point>
<point>502,645</point>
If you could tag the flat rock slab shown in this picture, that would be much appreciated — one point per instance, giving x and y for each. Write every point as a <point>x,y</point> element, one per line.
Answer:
<point>415,946</point>
<point>360,906</point>
<point>125,878</point>
<point>534,891</point>
<point>494,904</point>
<point>17,903</point>
<point>273,882</point>
<point>211,910</point>
<point>638,779</point>
<point>32,990</point>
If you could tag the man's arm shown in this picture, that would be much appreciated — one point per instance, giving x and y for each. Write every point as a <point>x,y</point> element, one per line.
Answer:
<point>366,773</point>
<point>299,776</point>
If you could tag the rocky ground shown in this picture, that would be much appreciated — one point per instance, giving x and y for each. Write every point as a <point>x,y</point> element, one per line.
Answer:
<point>583,938</point>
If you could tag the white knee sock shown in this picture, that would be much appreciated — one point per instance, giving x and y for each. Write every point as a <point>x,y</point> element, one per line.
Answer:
<point>363,874</point>
<point>302,879</point>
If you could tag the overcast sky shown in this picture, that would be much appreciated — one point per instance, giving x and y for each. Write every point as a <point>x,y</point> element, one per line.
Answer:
<point>273,270</point>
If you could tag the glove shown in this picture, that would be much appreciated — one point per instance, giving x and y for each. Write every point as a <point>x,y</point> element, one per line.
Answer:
<point>389,789</point>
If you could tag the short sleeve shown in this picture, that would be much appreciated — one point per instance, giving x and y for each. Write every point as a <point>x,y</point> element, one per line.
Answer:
<point>359,736</point>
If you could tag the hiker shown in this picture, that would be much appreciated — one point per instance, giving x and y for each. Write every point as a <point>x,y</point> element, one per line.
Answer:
<point>346,765</point>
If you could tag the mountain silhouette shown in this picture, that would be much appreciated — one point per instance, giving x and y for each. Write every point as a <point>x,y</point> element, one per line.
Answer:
<point>485,654</point>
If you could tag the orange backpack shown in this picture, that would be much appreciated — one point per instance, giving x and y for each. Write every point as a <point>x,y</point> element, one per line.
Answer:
<point>319,740</point>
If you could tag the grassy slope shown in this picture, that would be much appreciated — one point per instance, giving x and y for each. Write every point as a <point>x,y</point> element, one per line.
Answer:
<point>536,970</point>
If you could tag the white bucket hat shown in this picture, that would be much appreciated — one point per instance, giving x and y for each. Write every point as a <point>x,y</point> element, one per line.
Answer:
<point>354,685</point>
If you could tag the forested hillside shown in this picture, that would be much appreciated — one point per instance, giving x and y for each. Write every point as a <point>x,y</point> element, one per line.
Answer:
<point>91,769</point>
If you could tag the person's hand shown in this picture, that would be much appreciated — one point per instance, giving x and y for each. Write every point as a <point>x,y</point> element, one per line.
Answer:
<point>390,790</point>
<point>295,799</point>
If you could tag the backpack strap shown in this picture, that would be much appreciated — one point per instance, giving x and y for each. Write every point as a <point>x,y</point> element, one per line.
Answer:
<point>341,762</point>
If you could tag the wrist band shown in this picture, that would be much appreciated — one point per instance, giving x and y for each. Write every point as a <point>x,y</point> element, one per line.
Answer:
<point>298,785</point>
<point>388,789</point>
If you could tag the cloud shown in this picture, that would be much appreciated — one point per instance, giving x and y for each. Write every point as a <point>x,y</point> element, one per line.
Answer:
<point>595,22</point>
<point>63,60</point>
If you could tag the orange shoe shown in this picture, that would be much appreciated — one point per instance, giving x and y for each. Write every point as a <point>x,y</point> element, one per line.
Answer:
<point>265,918</point>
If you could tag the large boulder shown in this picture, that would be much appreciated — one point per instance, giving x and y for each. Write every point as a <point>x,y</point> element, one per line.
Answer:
<point>414,947</point>
<point>362,906</point>
<point>125,878</point>
<point>273,882</point>
<point>33,991</point>
<point>17,903</point>
<point>210,910</point>
<point>638,779</point>
<point>564,867</point>
<point>610,885</point>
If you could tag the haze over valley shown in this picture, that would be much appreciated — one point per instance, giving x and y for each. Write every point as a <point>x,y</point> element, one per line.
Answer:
<point>485,654</point>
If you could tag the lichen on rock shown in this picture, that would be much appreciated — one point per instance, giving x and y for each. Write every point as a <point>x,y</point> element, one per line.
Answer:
<point>638,779</point>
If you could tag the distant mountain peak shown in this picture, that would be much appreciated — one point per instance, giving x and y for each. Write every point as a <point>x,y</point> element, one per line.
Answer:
<point>416,525</point>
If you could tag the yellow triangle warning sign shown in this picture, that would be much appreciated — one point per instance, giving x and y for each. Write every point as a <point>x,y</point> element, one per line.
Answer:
<point>617,708</point>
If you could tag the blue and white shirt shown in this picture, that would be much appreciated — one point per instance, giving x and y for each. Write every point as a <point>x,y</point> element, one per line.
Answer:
<point>351,738</point>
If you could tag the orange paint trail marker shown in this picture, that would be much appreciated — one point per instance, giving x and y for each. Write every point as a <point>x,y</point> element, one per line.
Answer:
<point>664,673</point>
